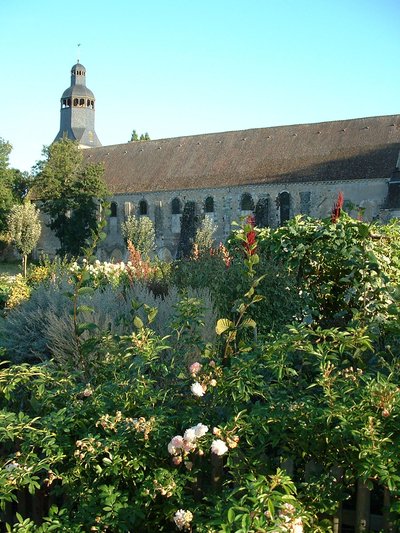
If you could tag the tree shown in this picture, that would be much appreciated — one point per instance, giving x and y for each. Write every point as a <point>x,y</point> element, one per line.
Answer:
<point>13,184</point>
<point>70,192</point>
<point>189,226</point>
<point>143,137</point>
<point>204,238</point>
<point>24,229</point>
<point>134,136</point>
<point>140,231</point>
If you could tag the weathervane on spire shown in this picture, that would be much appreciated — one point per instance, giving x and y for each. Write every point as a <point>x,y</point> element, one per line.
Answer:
<point>79,44</point>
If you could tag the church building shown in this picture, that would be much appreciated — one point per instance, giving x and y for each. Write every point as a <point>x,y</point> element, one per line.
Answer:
<point>273,173</point>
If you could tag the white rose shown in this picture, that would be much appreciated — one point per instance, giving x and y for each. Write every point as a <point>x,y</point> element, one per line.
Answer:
<point>219,447</point>
<point>171,449</point>
<point>190,435</point>
<point>200,430</point>
<point>197,389</point>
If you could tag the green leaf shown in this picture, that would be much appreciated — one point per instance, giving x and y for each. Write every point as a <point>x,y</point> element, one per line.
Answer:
<point>85,309</point>
<point>271,508</point>
<point>363,230</point>
<point>223,324</point>
<point>246,522</point>
<point>250,292</point>
<point>249,323</point>
<point>85,277</point>
<point>255,259</point>
<point>85,326</point>
<point>138,322</point>
<point>85,291</point>
<point>151,315</point>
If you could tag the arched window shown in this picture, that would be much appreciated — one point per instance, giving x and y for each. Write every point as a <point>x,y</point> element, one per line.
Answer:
<point>143,207</point>
<point>246,202</point>
<point>209,205</point>
<point>113,209</point>
<point>176,206</point>
<point>75,102</point>
<point>284,206</point>
<point>262,213</point>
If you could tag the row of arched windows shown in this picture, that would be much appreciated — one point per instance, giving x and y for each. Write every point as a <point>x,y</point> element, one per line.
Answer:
<point>143,208</point>
<point>261,210</point>
<point>176,205</point>
<point>78,102</point>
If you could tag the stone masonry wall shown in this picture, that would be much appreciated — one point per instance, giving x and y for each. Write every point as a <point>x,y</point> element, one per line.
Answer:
<point>314,199</point>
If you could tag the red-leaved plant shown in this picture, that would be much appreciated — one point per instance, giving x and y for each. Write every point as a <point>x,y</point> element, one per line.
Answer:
<point>250,244</point>
<point>337,208</point>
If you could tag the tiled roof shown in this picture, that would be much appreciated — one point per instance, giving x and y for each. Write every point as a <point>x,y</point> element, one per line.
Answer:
<point>353,149</point>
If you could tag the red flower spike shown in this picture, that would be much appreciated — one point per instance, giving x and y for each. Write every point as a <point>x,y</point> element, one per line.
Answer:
<point>337,208</point>
<point>225,255</point>
<point>250,244</point>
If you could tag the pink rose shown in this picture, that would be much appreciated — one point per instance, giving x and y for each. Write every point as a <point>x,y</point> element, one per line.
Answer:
<point>195,368</point>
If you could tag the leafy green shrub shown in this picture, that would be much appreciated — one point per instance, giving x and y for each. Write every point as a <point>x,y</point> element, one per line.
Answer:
<point>204,238</point>
<point>343,270</point>
<point>174,433</point>
<point>38,274</point>
<point>315,271</point>
<point>24,229</point>
<point>5,289</point>
<point>42,327</point>
<point>140,232</point>
<point>129,459</point>
<point>224,275</point>
<point>19,292</point>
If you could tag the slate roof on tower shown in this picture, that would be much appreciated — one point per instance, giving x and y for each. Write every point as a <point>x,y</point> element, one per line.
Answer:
<point>77,90</point>
<point>364,148</point>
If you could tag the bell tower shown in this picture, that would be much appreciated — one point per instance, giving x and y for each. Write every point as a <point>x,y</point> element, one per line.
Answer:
<point>77,111</point>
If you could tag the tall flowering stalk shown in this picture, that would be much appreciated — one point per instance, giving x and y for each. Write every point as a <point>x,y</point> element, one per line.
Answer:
<point>247,237</point>
<point>221,252</point>
<point>225,255</point>
<point>139,268</point>
<point>250,242</point>
<point>337,208</point>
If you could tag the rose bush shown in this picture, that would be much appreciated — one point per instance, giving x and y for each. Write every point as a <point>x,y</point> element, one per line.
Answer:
<point>256,432</point>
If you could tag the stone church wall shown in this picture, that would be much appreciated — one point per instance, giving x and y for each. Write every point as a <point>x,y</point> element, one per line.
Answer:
<point>229,205</point>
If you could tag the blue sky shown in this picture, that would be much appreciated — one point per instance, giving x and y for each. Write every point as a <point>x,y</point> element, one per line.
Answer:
<point>181,67</point>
